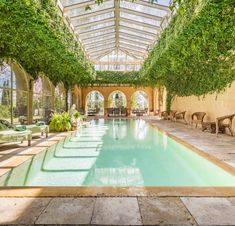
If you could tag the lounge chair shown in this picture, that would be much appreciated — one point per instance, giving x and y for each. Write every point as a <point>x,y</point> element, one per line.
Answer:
<point>38,128</point>
<point>221,125</point>
<point>10,135</point>
<point>197,118</point>
<point>179,116</point>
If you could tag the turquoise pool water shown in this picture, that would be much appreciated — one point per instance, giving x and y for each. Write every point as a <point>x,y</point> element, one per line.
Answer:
<point>118,152</point>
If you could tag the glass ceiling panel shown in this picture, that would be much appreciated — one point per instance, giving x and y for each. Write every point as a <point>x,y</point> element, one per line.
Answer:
<point>133,44</point>
<point>93,46</point>
<point>102,47</point>
<point>142,28</point>
<point>122,35</point>
<point>140,19</point>
<point>160,2</point>
<point>98,33</point>
<point>143,9</point>
<point>98,26</point>
<point>91,19</point>
<point>94,8</point>
<point>125,30</point>
<point>71,2</point>
<point>99,39</point>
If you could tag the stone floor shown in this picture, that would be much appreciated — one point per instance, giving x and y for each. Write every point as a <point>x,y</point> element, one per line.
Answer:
<point>128,210</point>
<point>118,211</point>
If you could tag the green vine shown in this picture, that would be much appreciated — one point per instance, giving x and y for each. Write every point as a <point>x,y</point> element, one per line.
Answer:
<point>34,34</point>
<point>120,77</point>
<point>195,54</point>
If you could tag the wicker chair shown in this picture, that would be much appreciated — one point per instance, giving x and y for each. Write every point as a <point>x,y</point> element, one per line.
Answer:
<point>110,112</point>
<point>197,118</point>
<point>180,116</point>
<point>165,115</point>
<point>221,125</point>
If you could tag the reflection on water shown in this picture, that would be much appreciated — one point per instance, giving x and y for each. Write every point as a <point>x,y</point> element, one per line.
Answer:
<point>117,152</point>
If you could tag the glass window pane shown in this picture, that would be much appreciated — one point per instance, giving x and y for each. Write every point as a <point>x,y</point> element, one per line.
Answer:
<point>5,104</point>
<point>91,19</point>
<point>20,109</point>
<point>143,9</point>
<point>125,30</point>
<point>140,19</point>
<point>94,8</point>
<point>93,27</point>
<point>98,33</point>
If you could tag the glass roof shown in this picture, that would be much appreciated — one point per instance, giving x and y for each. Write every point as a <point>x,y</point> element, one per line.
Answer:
<point>117,34</point>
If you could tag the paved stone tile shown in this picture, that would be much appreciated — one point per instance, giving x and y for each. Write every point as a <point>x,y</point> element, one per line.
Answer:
<point>116,211</point>
<point>68,211</point>
<point>164,211</point>
<point>21,210</point>
<point>212,211</point>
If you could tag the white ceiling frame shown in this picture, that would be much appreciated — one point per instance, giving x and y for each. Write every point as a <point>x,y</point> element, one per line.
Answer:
<point>131,54</point>
<point>118,62</point>
<point>134,46</point>
<point>117,24</point>
<point>104,41</point>
<point>151,5</point>
<point>134,42</point>
<point>136,13</point>
<point>136,36</point>
<point>98,22</point>
<point>92,14</point>
<point>133,50</point>
<point>96,47</point>
<point>100,51</point>
<point>151,26</point>
<point>78,5</point>
<point>102,55</point>
<point>138,30</point>
<point>96,30</point>
<point>98,36</point>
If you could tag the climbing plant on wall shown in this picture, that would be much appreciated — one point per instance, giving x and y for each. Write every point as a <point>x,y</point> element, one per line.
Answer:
<point>34,34</point>
<point>120,77</point>
<point>195,54</point>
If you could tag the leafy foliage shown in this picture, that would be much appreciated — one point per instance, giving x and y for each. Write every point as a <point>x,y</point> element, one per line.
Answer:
<point>35,35</point>
<point>120,77</point>
<point>196,52</point>
<point>60,122</point>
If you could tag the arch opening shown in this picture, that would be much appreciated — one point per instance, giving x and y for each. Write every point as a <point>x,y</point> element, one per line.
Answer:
<point>139,103</point>
<point>117,99</point>
<point>94,103</point>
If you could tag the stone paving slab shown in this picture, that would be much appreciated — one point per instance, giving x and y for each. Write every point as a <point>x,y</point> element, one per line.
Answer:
<point>212,211</point>
<point>21,210</point>
<point>164,211</point>
<point>67,211</point>
<point>116,211</point>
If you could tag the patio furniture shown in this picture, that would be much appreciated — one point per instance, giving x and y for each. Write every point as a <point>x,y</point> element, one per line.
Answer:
<point>224,122</point>
<point>179,116</point>
<point>14,136</point>
<point>110,112</point>
<point>38,129</point>
<point>123,111</point>
<point>116,111</point>
<point>197,118</point>
<point>211,126</point>
<point>168,115</point>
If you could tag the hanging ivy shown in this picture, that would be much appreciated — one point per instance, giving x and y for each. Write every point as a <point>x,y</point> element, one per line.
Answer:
<point>195,54</point>
<point>34,34</point>
<point>120,77</point>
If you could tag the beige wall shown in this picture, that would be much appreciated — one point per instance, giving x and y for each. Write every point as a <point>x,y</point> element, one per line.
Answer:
<point>214,105</point>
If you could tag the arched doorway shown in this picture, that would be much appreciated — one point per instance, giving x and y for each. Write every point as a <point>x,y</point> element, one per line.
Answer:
<point>139,103</point>
<point>42,99</point>
<point>117,99</point>
<point>13,94</point>
<point>94,103</point>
